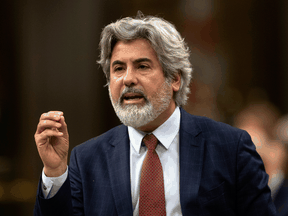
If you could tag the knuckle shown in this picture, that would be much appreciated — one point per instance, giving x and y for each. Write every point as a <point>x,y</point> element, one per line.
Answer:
<point>40,125</point>
<point>39,129</point>
<point>44,115</point>
<point>42,134</point>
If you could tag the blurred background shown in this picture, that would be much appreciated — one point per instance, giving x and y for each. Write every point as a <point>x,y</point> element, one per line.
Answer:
<point>48,53</point>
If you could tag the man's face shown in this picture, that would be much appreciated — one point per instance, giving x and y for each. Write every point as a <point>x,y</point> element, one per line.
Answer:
<point>138,89</point>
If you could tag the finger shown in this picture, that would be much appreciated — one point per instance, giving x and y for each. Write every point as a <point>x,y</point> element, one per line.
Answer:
<point>43,137</point>
<point>55,113</point>
<point>47,124</point>
<point>52,115</point>
<point>63,127</point>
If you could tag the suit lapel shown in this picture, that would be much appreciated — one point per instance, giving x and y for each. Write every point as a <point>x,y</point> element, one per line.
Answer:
<point>119,171</point>
<point>191,162</point>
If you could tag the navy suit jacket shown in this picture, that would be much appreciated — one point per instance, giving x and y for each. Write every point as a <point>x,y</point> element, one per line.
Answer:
<point>220,174</point>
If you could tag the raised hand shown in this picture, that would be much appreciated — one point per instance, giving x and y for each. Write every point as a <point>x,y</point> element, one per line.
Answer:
<point>52,141</point>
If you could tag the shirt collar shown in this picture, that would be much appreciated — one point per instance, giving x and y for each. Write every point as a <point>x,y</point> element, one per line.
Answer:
<point>165,133</point>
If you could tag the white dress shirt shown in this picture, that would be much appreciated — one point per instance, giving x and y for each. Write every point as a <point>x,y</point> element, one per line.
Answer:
<point>168,152</point>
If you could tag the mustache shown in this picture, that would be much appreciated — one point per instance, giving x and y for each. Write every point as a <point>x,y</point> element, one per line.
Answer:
<point>132,90</point>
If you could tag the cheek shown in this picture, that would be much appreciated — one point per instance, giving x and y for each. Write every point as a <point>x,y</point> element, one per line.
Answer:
<point>117,80</point>
<point>115,89</point>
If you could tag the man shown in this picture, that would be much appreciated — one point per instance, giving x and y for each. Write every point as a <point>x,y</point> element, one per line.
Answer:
<point>199,167</point>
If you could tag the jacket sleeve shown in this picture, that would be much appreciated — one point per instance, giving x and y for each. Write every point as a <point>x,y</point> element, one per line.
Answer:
<point>58,205</point>
<point>67,201</point>
<point>253,193</point>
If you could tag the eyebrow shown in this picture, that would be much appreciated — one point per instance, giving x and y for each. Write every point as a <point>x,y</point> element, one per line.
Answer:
<point>143,60</point>
<point>135,61</point>
<point>117,62</point>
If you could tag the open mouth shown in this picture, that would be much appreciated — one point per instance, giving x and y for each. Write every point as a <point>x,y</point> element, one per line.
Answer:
<point>132,97</point>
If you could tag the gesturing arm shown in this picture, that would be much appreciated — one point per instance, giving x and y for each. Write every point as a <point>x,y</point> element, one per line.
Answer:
<point>52,141</point>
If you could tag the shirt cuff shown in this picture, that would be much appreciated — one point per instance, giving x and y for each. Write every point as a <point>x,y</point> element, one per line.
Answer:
<point>51,185</point>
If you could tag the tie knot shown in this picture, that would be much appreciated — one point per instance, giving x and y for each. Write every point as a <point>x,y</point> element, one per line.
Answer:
<point>150,141</point>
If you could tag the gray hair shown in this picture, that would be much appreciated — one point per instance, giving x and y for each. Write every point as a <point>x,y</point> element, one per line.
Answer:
<point>170,47</point>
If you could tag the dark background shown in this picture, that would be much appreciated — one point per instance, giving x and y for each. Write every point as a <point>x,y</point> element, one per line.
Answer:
<point>48,53</point>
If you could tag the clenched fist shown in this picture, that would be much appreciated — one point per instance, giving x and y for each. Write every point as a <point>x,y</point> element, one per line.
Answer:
<point>52,141</point>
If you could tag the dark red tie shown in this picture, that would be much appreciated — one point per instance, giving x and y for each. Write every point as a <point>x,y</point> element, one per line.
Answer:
<point>152,196</point>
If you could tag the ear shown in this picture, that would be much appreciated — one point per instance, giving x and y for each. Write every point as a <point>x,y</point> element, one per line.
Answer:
<point>176,82</point>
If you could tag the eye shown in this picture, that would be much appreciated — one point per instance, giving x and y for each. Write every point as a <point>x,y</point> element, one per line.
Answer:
<point>143,67</point>
<point>118,68</point>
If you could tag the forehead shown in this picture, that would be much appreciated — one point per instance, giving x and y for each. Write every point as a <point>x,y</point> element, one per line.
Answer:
<point>139,48</point>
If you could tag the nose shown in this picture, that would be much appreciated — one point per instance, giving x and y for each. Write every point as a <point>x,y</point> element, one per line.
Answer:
<point>130,78</point>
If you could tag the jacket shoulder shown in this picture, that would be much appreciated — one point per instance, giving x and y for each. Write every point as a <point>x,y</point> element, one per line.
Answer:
<point>212,130</point>
<point>205,124</point>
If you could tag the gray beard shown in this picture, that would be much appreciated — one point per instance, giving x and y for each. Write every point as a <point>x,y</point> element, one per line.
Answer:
<point>137,116</point>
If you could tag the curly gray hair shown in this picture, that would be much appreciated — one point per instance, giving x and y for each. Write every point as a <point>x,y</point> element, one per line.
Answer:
<point>170,47</point>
